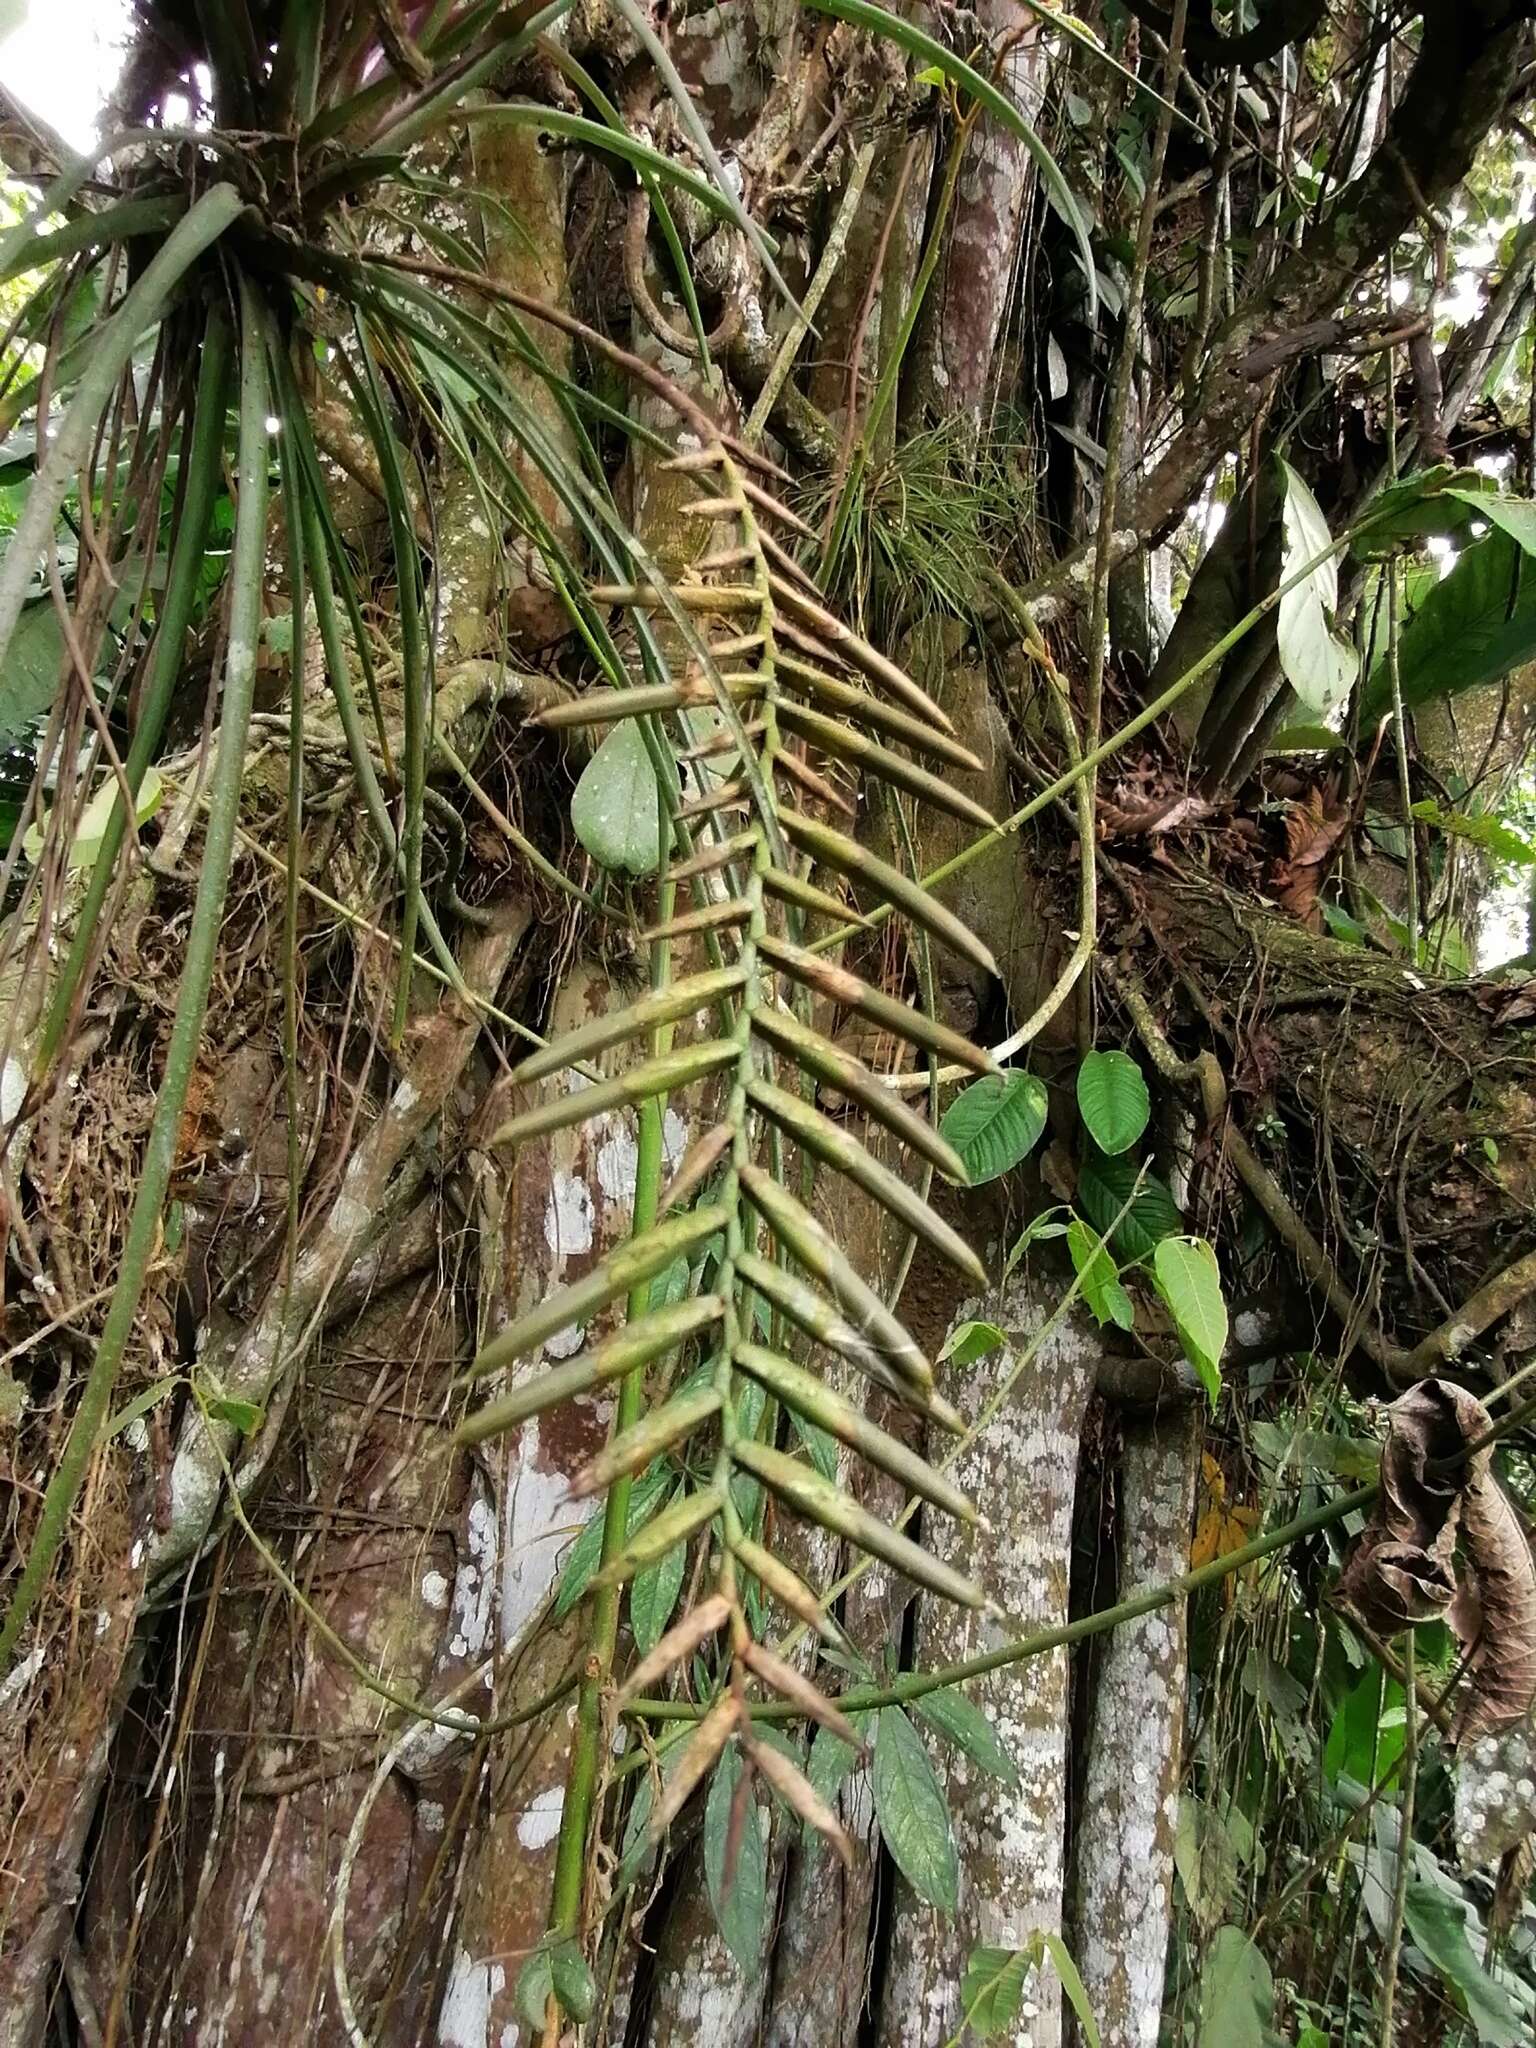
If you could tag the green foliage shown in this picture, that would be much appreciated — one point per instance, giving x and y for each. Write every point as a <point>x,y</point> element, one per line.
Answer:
<point>996,1123</point>
<point>967,1343</point>
<point>1319,663</point>
<point>992,1990</point>
<point>911,1810</point>
<point>738,1890</point>
<point>1186,1275</point>
<point>967,1727</point>
<point>1237,1992</point>
<point>1099,1276</point>
<point>1105,1186</point>
<point>616,806</point>
<point>1112,1095</point>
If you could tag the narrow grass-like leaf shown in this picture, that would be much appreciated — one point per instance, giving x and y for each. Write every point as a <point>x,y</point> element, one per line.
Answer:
<point>654,1433</point>
<point>838,851</point>
<point>812,1245</point>
<point>675,1524</point>
<point>616,1027</point>
<point>800,1796</point>
<point>787,1587</point>
<point>703,1620</point>
<point>850,1077</point>
<point>818,1500</point>
<point>917,43</point>
<point>639,1259</point>
<point>805,678</point>
<point>820,1320</point>
<point>818,1135</point>
<point>201,946</point>
<point>883,1011</point>
<point>658,1076</point>
<point>873,758</point>
<point>809,1395</point>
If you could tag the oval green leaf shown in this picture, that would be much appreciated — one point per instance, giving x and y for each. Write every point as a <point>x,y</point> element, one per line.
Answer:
<point>1112,1095</point>
<point>912,1812</point>
<point>614,807</point>
<point>1186,1275</point>
<point>995,1123</point>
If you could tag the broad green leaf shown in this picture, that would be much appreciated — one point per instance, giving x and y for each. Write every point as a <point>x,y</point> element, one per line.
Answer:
<point>912,1812</point>
<point>644,1499</point>
<point>995,1123</point>
<point>33,664</point>
<point>1103,1188</point>
<point>653,1595</point>
<point>94,819</point>
<point>614,809</point>
<point>1186,1275</point>
<point>1205,1857</point>
<point>574,1984</point>
<point>740,1905</point>
<point>1319,663</point>
<point>1515,516</point>
<point>1100,1276</point>
<point>968,1342</point>
<point>1366,1734</point>
<point>992,1988</point>
<point>243,1416</point>
<point>964,1724</point>
<point>1488,832</point>
<point>1471,627</point>
<point>1112,1095</point>
<point>1437,1924</point>
<point>1237,1993</point>
<point>1418,505</point>
<point>1312,2037</point>
<point>1303,739</point>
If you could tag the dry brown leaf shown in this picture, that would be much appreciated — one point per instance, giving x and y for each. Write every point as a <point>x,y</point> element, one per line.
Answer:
<point>1445,1542</point>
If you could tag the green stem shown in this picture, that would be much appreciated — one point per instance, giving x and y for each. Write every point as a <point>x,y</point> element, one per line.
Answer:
<point>70,448</point>
<point>224,792</point>
<point>1394,1943</point>
<point>916,1685</point>
<point>586,1738</point>
<point>204,478</point>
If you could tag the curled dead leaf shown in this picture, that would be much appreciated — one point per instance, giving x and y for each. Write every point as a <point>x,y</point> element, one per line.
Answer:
<point>1446,1543</point>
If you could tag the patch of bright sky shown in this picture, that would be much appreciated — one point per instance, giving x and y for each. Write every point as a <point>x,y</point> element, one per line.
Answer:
<point>61,61</point>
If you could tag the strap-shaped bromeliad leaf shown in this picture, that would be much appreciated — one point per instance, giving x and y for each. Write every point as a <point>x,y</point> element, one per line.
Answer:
<point>773,682</point>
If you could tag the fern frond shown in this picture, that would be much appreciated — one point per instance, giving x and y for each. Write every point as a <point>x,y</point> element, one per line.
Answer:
<point>766,672</point>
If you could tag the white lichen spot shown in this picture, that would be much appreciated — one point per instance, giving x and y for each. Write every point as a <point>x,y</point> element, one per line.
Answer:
<point>465,2019</point>
<point>13,1090</point>
<point>618,1163</point>
<point>568,1216</point>
<point>539,1823</point>
<point>434,1590</point>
